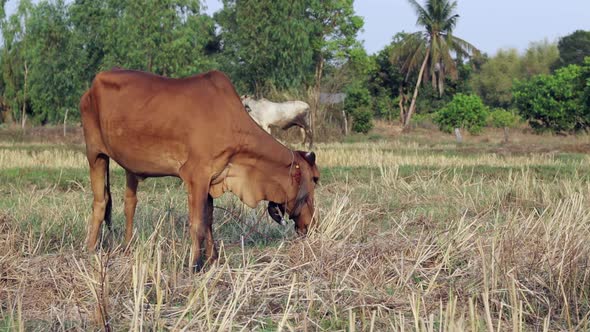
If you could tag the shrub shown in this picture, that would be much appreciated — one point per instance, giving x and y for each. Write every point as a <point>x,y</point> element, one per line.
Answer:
<point>362,120</point>
<point>425,121</point>
<point>554,102</point>
<point>356,96</point>
<point>358,105</point>
<point>586,80</point>
<point>501,118</point>
<point>385,107</point>
<point>464,111</point>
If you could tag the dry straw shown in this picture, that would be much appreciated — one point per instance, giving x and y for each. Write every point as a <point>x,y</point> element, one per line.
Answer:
<point>444,250</point>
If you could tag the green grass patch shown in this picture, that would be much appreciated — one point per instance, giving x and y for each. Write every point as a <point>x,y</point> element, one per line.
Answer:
<point>73,178</point>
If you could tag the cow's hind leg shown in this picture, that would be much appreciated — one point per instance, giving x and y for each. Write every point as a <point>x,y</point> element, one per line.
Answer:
<point>130,204</point>
<point>101,205</point>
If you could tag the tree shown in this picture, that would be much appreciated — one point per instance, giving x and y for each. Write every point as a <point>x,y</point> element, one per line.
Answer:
<point>169,37</point>
<point>14,64</point>
<point>432,48</point>
<point>166,37</point>
<point>2,10</point>
<point>54,88</point>
<point>586,78</point>
<point>52,49</point>
<point>91,33</point>
<point>352,74</point>
<point>538,58</point>
<point>494,81</point>
<point>431,101</point>
<point>266,43</point>
<point>357,104</point>
<point>333,38</point>
<point>464,111</point>
<point>501,118</point>
<point>554,102</point>
<point>573,48</point>
<point>3,108</point>
<point>385,82</point>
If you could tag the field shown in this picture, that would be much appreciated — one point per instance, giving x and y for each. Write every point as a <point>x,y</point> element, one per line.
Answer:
<point>416,233</point>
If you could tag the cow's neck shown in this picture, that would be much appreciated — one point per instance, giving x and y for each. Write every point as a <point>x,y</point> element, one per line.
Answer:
<point>261,170</point>
<point>266,148</point>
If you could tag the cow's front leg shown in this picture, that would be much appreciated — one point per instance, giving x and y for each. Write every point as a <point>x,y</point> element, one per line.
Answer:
<point>130,204</point>
<point>198,193</point>
<point>210,250</point>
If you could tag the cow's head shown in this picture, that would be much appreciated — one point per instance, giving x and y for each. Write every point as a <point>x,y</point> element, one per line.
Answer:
<point>246,99</point>
<point>304,175</point>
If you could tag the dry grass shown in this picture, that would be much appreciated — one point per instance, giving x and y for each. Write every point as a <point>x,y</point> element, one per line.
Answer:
<point>329,155</point>
<point>371,154</point>
<point>441,250</point>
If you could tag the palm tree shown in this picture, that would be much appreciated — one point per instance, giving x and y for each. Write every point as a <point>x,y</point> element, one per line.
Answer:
<point>432,49</point>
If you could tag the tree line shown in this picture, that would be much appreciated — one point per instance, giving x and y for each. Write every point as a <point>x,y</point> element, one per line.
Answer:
<point>51,49</point>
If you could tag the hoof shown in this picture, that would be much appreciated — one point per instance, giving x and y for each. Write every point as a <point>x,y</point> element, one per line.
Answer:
<point>198,267</point>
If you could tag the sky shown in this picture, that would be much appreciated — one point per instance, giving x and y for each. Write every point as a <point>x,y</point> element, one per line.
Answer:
<point>487,24</point>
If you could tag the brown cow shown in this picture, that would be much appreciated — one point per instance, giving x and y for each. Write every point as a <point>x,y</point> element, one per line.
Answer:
<point>194,128</point>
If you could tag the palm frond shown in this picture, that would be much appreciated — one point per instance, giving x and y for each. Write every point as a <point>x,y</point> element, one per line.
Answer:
<point>449,64</point>
<point>410,53</point>
<point>434,60</point>
<point>436,43</point>
<point>414,61</point>
<point>466,47</point>
<point>420,11</point>
<point>446,15</point>
<point>422,14</point>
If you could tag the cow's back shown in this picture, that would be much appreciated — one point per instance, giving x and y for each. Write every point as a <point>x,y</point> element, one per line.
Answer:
<point>151,124</point>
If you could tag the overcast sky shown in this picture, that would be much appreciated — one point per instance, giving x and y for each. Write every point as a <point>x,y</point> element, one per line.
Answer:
<point>489,25</point>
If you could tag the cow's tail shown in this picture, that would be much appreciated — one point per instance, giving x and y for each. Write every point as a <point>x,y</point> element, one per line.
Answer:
<point>107,193</point>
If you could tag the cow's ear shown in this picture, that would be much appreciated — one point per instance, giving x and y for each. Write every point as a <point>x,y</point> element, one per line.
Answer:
<point>308,156</point>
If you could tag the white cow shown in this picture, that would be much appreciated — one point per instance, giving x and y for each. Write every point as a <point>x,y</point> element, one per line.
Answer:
<point>283,115</point>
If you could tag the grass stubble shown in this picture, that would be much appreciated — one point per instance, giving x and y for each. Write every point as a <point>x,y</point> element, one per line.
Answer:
<point>438,250</point>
